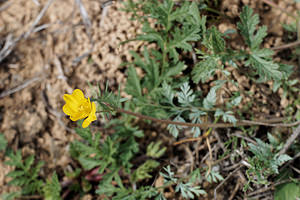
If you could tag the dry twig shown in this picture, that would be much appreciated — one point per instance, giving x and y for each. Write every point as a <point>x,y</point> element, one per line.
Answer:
<point>236,188</point>
<point>10,43</point>
<point>285,46</point>
<point>210,155</point>
<point>231,174</point>
<point>20,87</point>
<point>38,18</point>
<point>36,2</point>
<point>290,141</point>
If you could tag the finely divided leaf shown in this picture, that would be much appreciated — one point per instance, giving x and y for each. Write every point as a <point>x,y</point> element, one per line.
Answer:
<point>181,38</point>
<point>226,116</point>
<point>247,26</point>
<point>194,11</point>
<point>204,69</point>
<point>151,35</point>
<point>52,188</point>
<point>174,129</point>
<point>167,92</point>
<point>184,35</point>
<point>217,40</point>
<point>3,142</point>
<point>266,69</point>
<point>186,96</point>
<point>175,70</point>
<point>210,99</point>
<point>133,86</point>
<point>287,191</point>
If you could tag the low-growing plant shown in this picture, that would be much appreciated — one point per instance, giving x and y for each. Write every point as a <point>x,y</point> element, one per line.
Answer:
<point>168,90</point>
<point>26,176</point>
<point>265,161</point>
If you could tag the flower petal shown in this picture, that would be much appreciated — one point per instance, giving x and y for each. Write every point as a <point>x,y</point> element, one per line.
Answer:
<point>72,102</point>
<point>78,116</point>
<point>91,117</point>
<point>67,110</point>
<point>78,94</point>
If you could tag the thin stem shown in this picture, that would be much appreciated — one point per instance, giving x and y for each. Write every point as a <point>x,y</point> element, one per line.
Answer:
<point>203,125</point>
<point>285,46</point>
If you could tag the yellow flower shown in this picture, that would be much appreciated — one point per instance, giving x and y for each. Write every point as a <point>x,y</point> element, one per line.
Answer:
<point>78,107</point>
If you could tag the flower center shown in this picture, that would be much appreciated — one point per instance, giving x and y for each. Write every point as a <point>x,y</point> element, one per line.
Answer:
<point>83,107</point>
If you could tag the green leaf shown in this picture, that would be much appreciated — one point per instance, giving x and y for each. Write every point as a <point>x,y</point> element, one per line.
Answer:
<point>52,188</point>
<point>133,86</point>
<point>151,79</point>
<point>195,115</point>
<point>107,189</point>
<point>194,11</point>
<point>265,68</point>
<point>28,162</point>
<point>164,11</point>
<point>89,163</point>
<point>204,69</point>
<point>15,159</point>
<point>287,191</point>
<point>236,101</point>
<point>81,149</point>
<point>187,190</point>
<point>213,176</point>
<point>282,159</point>
<point>169,175</point>
<point>11,195</point>
<point>3,142</point>
<point>180,13</point>
<point>290,27</point>
<point>15,174</point>
<point>154,150</point>
<point>174,129</point>
<point>142,172</point>
<point>85,133</point>
<point>181,38</point>
<point>175,70</point>
<point>210,100</point>
<point>259,36</point>
<point>186,96</point>
<point>35,170</point>
<point>151,36</point>
<point>167,92</point>
<point>247,26</point>
<point>274,141</point>
<point>226,116</point>
<point>217,40</point>
<point>195,176</point>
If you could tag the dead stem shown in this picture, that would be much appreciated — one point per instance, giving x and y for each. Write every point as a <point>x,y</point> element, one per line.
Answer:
<point>210,156</point>
<point>20,87</point>
<point>38,18</point>
<point>231,174</point>
<point>236,188</point>
<point>290,141</point>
